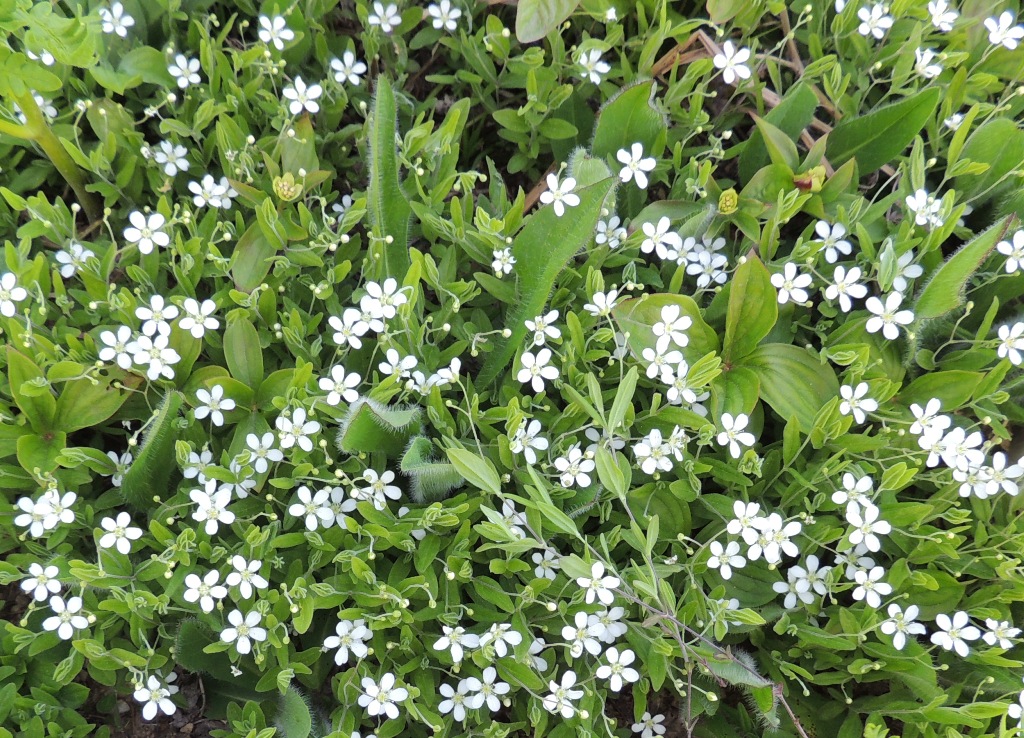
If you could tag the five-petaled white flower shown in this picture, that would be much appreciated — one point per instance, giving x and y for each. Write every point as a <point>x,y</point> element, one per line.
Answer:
<point>214,404</point>
<point>73,259</point>
<point>116,347</point>
<point>243,631</point>
<point>185,71</point>
<point>537,368</point>
<point>502,262</point>
<point>171,157</point>
<point>443,15</point>
<point>1014,252</point>
<point>303,97</point>
<point>845,286</point>
<point>156,316</point>
<point>198,317</point>
<point>618,670</point>
<point>1000,633</point>
<point>598,585</point>
<point>275,31</point>
<point>262,452</point>
<point>205,591</point>
<point>875,21</point>
<point>155,694</point>
<point>67,617</point>
<point>943,17</point>
<point>380,489</point>
<point>456,699</point>
<point>246,576</point>
<point>602,303</point>
<point>634,165</point>
<point>155,354</point>
<point>866,525</point>
<point>560,194</point>
<point>733,433</point>
<point>385,17</point>
<point>1011,343</point>
<point>855,401</point>
<point>500,636</point>
<point>348,68</point>
<point>887,315</point>
<point>562,695</point>
<point>350,636</point>
<point>10,293</point>
<point>900,624</point>
<point>726,558</point>
<point>592,66</point>
<point>115,20</point>
<point>42,581</point>
<point>296,430</point>
<point>547,564</point>
<point>380,698</point>
<point>487,691</point>
<point>119,532</point>
<point>340,385</point>
<point>1002,31</point>
<point>955,633</point>
<point>650,725</point>
<point>870,586</point>
<point>831,239</point>
<point>314,508</point>
<point>456,640</point>
<point>145,231</point>
<point>574,468</point>
<point>526,439</point>
<point>733,62</point>
<point>925,64</point>
<point>212,506</point>
<point>791,284</point>
<point>543,327</point>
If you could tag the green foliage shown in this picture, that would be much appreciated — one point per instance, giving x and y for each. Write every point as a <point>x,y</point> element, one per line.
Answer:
<point>151,472</point>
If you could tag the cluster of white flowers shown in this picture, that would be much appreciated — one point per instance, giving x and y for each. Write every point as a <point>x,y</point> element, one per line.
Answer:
<point>45,512</point>
<point>376,307</point>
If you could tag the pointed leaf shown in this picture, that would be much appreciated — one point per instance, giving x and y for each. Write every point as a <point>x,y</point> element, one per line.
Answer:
<point>753,309</point>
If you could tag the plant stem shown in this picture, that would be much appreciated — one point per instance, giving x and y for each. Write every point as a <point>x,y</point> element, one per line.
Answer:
<point>14,129</point>
<point>37,130</point>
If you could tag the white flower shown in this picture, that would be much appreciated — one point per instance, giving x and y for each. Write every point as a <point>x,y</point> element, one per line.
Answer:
<point>732,434</point>
<point>961,451</point>
<point>44,56</point>
<point>650,725</point>
<point>1001,633</point>
<point>660,364</point>
<point>635,166</point>
<point>543,328</point>
<point>387,18</point>
<point>244,630</point>
<point>593,67</point>
<point>213,403</point>
<point>296,430</point>
<point>205,590</point>
<point>501,636</point>
<point>34,515</point>
<point>547,564</point>
<point>503,261</point>
<point>155,694</point>
<point>574,468</point>
<point>732,62</point>
<point>602,303</point>
<point>747,513</point>
<point>887,316</point>
<point>275,30</point>
<point>874,21</point>
<point>671,328</point>
<point>610,232</point>
<point>67,617</point>
<point>814,574</point>
<point>924,65</point>
<point>771,536</point>
<point>562,695</point>
<point>1016,710</point>
<point>831,239</point>
<point>725,558</point>
<point>115,20</point>
<point>197,464</point>
<point>349,327</point>
<point>198,317</point>
<point>456,640</point>
<point>953,122</point>
<point>925,207</point>
<point>661,239</point>
<point>456,700</point>
<point>348,69</point>
<point>796,587</point>
<point>539,663</point>
<point>444,15</point>
<point>185,70</point>
<point>708,267</point>
<point>513,519</point>
<point>73,259</point>
<point>870,587</point>
<point>1014,253</point>
<point>146,231</point>
<point>582,636</point>
<point>246,576</point>
<point>1011,343</point>
<point>855,403</point>
<point>172,157</point>
<point>42,582</point>
<point>791,284</point>
<point>855,491</point>
<point>618,671</point>
<point>314,508</point>
<point>943,17</point>
<point>652,453</point>
<point>262,451</point>
<point>999,476</point>
<point>120,533</point>
<point>846,286</point>
<point>212,506</point>
<point>380,489</point>
<point>901,624</point>
<point>340,385</point>
<point>155,354</point>
<point>303,97</point>
<point>906,269</point>
<point>383,301</point>
<point>350,636</point>
<point>955,633</point>
<point>116,347</point>
<point>866,525</point>
<point>157,316</point>
<point>211,192</point>
<point>560,194</point>
<point>10,293</point>
<point>526,439</point>
<point>380,699</point>
<point>598,585</point>
<point>1002,31</point>
<point>928,419</point>
<point>536,368</point>
<point>488,691</point>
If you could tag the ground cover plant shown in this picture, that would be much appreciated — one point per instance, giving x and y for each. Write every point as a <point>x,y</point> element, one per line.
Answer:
<point>547,368</point>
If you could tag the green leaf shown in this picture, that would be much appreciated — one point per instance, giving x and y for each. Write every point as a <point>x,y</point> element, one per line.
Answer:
<point>386,203</point>
<point>83,404</point>
<point>637,316</point>
<point>721,11</point>
<point>999,143</point>
<point>41,452</point>
<point>299,151</point>
<point>753,310</point>
<point>880,136</point>
<point>623,400</point>
<point>477,470</point>
<point>609,473</point>
<point>150,472</point>
<point>542,249</point>
<point>372,426</point>
<point>780,147</point>
<point>734,392</point>
<point>794,382</point>
<point>432,480</point>
<point>631,116</point>
<point>250,261</point>
<point>790,117</point>
<point>535,19</point>
<point>293,715</point>
<point>953,388</point>
<point>945,290</point>
<point>147,63</point>
<point>243,352</point>
<point>39,407</point>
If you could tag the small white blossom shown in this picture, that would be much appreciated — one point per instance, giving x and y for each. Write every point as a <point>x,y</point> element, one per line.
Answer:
<point>1000,633</point>
<point>598,585</point>
<point>381,698</point>
<point>443,15</point>
<point>870,586</point>
<point>901,624</point>
<point>856,402</point>
<point>119,533</point>
<point>503,262</point>
<point>1003,32</point>
<point>1014,252</point>
<point>303,97</point>
<point>314,508</point>
<point>733,63</point>
<point>340,385</point>
<point>925,64</point>
<point>726,558</point>
<point>10,293</point>
<point>526,439</point>
<point>955,633</point>
<point>537,368</point>
<point>875,21</point>
<point>67,617</point>
<point>385,17</point>
<point>350,637</point>
<point>791,284</point>
<point>831,239</point>
<point>887,317</point>
<point>296,430</point>
<point>214,404</point>
<point>205,591</point>
<point>172,157</point>
<point>845,286</point>
<point>574,468</point>
<point>560,194</point>
<point>943,16</point>
<point>456,640</point>
<point>650,725</point>
<point>244,631</point>
<point>275,31</point>
<point>602,303</point>
<point>42,581</point>
<point>185,71</point>
<point>733,433</point>
<point>348,69</point>
<point>592,66</point>
<point>246,576</point>
<point>115,20</point>
<point>73,259</point>
<point>866,525</point>
<point>562,695</point>
<point>634,165</point>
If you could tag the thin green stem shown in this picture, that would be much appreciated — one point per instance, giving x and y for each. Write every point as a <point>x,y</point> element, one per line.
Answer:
<point>14,129</point>
<point>38,131</point>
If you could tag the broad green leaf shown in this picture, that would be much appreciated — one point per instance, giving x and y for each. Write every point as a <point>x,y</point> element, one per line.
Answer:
<point>632,116</point>
<point>657,499</point>
<point>953,388</point>
<point>299,151</point>
<point>780,147</point>
<point>945,290</point>
<point>637,316</point>
<point>999,143</point>
<point>250,261</point>
<point>150,472</point>
<point>243,352</point>
<point>39,407</point>
<point>790,116</point>
<point>83,404</point>
<point>373,426</point>
<point>721,11</point>
<point>148,64</point>
<point>386,203</point>
<point>734,392</point>
<point>293,715</point>
<point>878,137</point>
<point>478,470</point>
<point>432,480</point>
<point>535,19</point>
<point>793,381</point>
<point>753,310</point>
<point>41,452</point>
<point>542,249</point>
<point>609,473</point>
